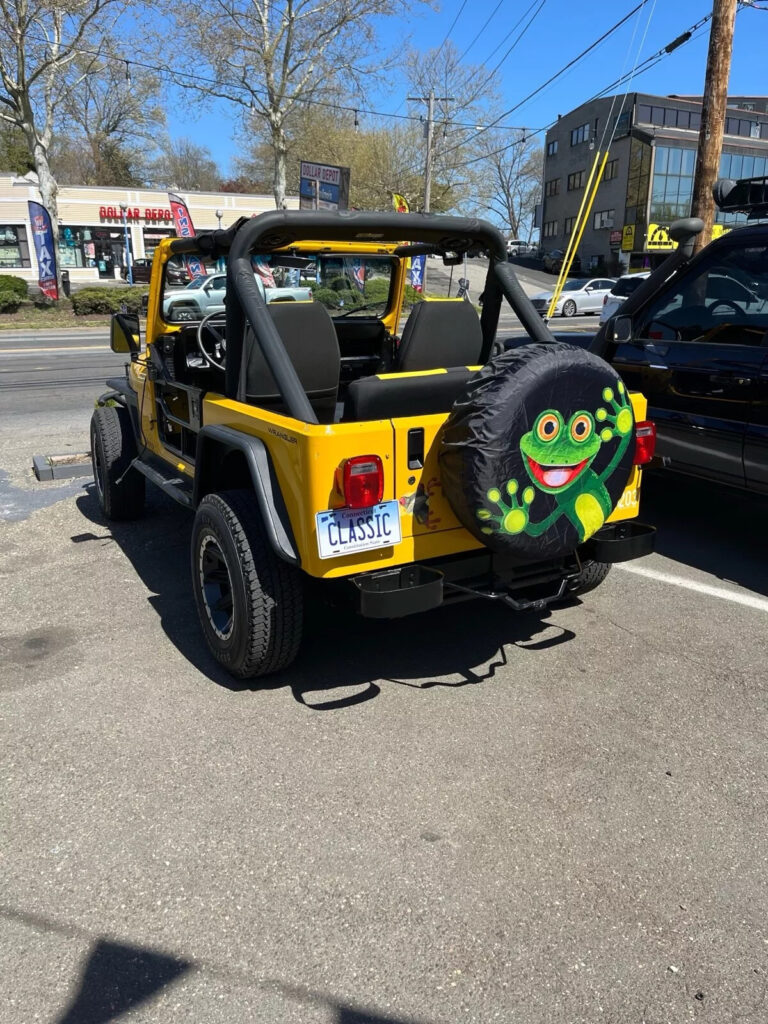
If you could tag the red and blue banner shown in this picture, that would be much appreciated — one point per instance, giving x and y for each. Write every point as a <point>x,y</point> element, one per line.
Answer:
<point>182,223</point>
<point>42,232</point>
<point>417,272</point>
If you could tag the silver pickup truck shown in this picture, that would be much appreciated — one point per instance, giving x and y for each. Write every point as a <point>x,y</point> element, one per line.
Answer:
<point>206,295</point>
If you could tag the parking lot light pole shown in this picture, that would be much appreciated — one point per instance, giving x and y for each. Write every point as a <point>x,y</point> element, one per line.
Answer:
<point>124,207</point>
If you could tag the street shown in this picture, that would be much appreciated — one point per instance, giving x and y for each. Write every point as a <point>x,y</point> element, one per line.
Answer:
<point>461,816</point>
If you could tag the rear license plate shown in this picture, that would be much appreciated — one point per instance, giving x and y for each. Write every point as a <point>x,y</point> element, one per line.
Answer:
<point>343,531</point>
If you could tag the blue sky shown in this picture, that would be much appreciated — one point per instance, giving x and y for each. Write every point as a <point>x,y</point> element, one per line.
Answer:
<point>559,32</point>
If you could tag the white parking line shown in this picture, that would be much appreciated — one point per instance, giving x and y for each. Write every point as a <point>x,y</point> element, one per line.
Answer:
<point>750,600</point>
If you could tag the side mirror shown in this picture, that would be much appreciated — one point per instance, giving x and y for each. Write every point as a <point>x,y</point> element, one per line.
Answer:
<point>622,330</point>
<point>124,333</point>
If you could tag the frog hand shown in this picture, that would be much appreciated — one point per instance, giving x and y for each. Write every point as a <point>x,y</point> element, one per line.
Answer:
<point>616,416</point>
<point>512,516</point>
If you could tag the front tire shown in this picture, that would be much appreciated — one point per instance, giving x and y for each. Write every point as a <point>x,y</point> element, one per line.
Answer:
<point>119,488</point>
<point>249,601</point>
<point>569,308</point>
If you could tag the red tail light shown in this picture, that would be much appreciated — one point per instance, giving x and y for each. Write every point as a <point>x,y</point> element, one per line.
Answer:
<point>645,442</point>
<point>362,481</point>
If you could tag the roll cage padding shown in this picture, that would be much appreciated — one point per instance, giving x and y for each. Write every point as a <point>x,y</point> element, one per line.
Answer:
<point>279,229</point>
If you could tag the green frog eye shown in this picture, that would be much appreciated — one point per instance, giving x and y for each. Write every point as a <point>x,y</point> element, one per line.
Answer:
<point>548,426</point>
<point>581,426</point>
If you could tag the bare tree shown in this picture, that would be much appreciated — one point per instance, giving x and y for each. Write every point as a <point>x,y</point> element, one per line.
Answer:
<point>185,165</point>
<point>506,180</point>
<point>39,43</point>
<point>112,117</point>
<point>271,56</point>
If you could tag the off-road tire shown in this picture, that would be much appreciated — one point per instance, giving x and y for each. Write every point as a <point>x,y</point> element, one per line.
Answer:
<point>591,576</point>
<point>254,626</point>
<point>570,308</point>
<point>119,488</point>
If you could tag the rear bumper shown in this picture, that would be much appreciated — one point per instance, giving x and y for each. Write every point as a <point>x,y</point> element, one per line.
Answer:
<point>407,590</point>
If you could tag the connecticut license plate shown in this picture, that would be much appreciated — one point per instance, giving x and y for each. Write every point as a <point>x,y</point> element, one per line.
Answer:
<point>343,531</point>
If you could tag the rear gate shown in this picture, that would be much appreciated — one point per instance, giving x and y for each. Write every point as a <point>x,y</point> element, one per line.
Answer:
<point>424,509</point>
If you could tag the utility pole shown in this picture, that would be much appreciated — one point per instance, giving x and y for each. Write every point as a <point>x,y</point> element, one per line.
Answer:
<point>430,101</point>
<point>713,115</point>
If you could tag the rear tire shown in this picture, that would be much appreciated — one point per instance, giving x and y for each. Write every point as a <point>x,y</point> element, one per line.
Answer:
<point>569,308</point>
<point>119,488</point>
<point>249,601</point>
<point>591,576</point>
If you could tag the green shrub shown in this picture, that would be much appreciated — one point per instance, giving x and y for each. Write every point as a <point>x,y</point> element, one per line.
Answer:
<point>107,300</point>
<point>14,285</point>
<point>9,302</point>
<point>411,296</point>
<point>329,298</point>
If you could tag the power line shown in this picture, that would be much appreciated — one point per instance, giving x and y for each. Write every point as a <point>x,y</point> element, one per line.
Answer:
<point>486,23</point>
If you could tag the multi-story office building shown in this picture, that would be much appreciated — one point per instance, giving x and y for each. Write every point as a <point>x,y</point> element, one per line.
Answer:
<point>648,179</point>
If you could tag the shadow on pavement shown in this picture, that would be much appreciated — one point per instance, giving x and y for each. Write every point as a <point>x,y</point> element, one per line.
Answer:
<point>717,529</point>
<point>118,977</point>
<point>452,646</point>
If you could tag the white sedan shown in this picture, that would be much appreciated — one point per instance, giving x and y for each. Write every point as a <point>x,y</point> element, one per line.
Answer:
<point>582,295</point>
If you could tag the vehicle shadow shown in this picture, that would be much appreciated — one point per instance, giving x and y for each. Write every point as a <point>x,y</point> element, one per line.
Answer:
<point>344,657</point>
<point>718,529</point>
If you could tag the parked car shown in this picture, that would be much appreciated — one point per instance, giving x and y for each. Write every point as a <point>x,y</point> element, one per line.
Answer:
<point>580,296</point>
<point>141,271</point>
<point>553,262</point>
<point>696,343</point>
<point>206,295</point>
<point>517,247</point>
<point>621,290</point>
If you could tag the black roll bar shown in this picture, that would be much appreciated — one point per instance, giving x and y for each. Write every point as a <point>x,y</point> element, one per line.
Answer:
<point>280,229</point>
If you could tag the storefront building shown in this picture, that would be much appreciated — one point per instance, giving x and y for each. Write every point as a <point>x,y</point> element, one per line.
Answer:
<point>92,232</point>
<point>648,179</point>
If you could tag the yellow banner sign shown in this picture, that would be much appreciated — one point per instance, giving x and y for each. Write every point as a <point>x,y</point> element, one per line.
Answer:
<point>628,238</point>
<point>659,240</point>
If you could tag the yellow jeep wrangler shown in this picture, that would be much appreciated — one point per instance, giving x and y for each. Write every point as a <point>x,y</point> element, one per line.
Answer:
<point>314,440</point>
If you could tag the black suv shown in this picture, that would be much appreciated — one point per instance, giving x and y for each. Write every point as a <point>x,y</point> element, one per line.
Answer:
<point>694,339</point>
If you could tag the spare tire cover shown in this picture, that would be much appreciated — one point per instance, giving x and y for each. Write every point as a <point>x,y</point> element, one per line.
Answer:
<point>537,452</point>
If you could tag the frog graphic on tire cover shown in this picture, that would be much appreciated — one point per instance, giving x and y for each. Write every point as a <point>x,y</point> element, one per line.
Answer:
<point>536,454</point>
<point>557,457</point>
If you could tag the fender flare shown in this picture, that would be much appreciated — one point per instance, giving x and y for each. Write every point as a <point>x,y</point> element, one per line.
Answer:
<point>210,441</point>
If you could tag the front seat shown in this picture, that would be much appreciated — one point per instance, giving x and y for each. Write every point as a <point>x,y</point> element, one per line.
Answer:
<point>440,334</point>
<point>309,337</point>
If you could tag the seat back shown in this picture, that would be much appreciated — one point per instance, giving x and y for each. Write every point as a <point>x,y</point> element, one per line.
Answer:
<point>439,334</point>
<point>390,395</point>
<point>307,332</point>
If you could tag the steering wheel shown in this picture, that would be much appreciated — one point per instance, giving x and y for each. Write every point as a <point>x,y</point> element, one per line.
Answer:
<point>726,302</point>
<point>216,341</point>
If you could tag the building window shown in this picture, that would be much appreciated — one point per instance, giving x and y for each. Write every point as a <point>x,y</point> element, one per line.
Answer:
<point>621,125</point>
<point>552,147</point>
<point>672,185</point>
<point>550,229</point>
<point>576,180</point>
<point>568,225</point>
<point>552,187</point>
<point>14,248</point>
<point>611,170</point>
<point>603,219</point>
<point>580,134</point>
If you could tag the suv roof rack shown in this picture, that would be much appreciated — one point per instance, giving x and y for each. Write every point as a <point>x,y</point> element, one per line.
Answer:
<point>747,195</point>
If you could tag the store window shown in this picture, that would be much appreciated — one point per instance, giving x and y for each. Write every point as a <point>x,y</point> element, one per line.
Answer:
<point>153,237</point>
<point>101,248</point>
<point>14,248</point>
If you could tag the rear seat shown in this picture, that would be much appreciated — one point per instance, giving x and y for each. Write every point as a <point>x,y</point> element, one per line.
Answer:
<point>390,395</point>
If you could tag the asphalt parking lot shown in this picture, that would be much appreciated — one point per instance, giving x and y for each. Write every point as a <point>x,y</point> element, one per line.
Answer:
<point>464,816</point>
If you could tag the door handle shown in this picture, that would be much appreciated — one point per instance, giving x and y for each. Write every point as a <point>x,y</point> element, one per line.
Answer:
<point>724,378</point>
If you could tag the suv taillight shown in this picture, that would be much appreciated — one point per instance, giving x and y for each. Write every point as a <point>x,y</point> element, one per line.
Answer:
<point>362,481</point>
<point>645,442</point>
